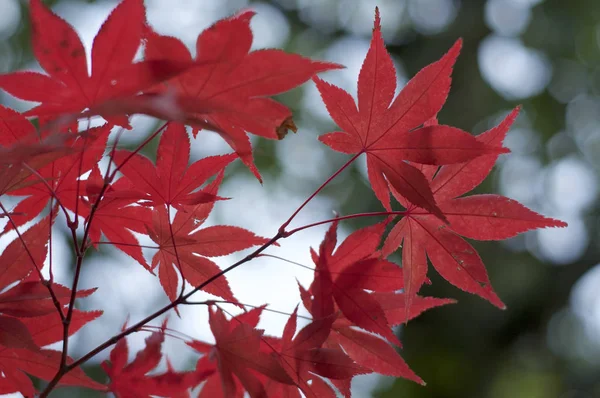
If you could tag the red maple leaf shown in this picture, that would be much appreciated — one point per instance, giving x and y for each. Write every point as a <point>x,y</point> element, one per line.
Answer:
<point>79,154</point>
<point>360,289</point>
<point>235,356</point>
<point>23,152</point>
<point>304,356</point>
<point>171,182</point>
<point>133,381</point>
<point>481,217</point>
<point>24,255</point>
<point>235,81</point>
<point>67,88</point>
<point>343,277</point>
<point>115,216</point>
<point>43,364</point>
<point>29,318</point>
<point>183,248</point>
<point>388,131</point>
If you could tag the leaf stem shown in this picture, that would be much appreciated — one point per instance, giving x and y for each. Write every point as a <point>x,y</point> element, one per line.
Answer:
<point>209,302</point>
<point>348,217</point>
<point>344,167</point>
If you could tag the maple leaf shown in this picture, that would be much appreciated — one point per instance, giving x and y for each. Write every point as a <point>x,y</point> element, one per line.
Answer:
<point>395,305</point>
<point>373,353</point>
<point>61,174</point>
<point>115,217</point>
<point>48,329</point>
<point>25,254</point>
<point>29,318</point>
<point>43,364</point>
<point>23,153</point>
<point>32,298</point>
<point>235,354</point>
<point>184,247</point>
<point>481,217</point>
<point>230,85</point>
<point>171,182</point>
<point>132,380</point>
<point>14,334</point>
<point>304,356</point>
<point>67,88</point>
<point>21,338</point>
<point>342,277</point>
<point>388,131</point>
<point>19,349</point>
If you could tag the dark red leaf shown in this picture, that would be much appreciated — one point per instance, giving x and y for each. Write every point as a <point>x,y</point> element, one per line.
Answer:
<point>132,380</point>
<point>14,334</point>
<point>374,353</point>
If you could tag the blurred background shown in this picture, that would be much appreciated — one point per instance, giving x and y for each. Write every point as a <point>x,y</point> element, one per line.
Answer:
<point>544,55</point>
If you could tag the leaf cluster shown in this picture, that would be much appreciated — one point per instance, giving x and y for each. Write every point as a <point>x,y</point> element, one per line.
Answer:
<point>110,196</point>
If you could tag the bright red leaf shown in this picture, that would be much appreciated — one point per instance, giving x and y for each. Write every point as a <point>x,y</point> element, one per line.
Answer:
<point>387,131</point>
<point>22,256</point>
<point>236,81</point>
<point>33,299</point>
<point>482,217</point>
<point>40,331</point>
<point>373,353</point>
<point>67,88</point>
<point>171,182</point>
<point>347,286</point>
<point>116,217</point>
<point>183,248</point>
<point>48,329</point>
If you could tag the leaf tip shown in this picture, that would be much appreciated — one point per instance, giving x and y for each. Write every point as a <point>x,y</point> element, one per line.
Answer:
<point>377,25</point>
<point>454,51</point>
<point>561,224</point>
<point>244,14</point>
<point>493,298</point>
<point>457,46</point>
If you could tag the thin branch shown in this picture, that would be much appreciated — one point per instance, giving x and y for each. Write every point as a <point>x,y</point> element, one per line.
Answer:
<point>289,220</point>
<point>158,313</point>
<point>136,150</point>
<point>125,244</point>
<point>348,217</point>
<point>50,190</point>
<point>330,272</point>
<point>249,305</point>
<point>50,269</point>
<point>79,171</point>
<point>179,268</point>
